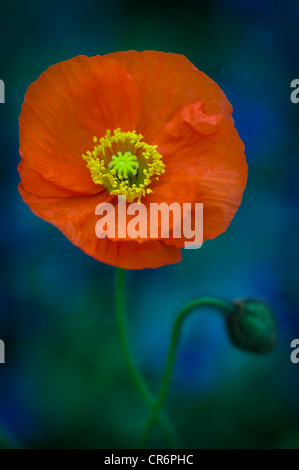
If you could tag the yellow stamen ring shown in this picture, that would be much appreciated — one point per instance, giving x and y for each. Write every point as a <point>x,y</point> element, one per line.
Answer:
<point>124,164</point>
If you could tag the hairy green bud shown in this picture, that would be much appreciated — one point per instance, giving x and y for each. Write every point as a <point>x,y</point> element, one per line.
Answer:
<point>252,327</point>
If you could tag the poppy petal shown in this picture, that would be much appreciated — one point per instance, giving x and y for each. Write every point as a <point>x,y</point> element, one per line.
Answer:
<point>69,104</point>
<point>208,150</point>
<point>76,218</point>
<point>167,82</point>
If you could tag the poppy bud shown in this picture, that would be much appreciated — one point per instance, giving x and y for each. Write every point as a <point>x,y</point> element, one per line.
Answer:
<point>252,327</point>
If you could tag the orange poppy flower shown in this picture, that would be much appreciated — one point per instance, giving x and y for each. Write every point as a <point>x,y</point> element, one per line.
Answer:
<point>164,121</point>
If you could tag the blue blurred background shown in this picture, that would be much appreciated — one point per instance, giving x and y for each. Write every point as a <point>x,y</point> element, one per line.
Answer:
<point>65,383</point>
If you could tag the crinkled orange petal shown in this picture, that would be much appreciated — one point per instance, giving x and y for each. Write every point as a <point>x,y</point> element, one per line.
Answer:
<point>206,150</point>
<point>69,104</point>
<point>76,218</point>
<point>167,82</point>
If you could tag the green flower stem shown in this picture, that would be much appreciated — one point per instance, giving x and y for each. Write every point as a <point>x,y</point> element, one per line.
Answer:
<point>225,308</point>
<point>164,425</point>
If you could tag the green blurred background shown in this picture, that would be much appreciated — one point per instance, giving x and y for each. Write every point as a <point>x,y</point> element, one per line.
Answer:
<point>65,383</point>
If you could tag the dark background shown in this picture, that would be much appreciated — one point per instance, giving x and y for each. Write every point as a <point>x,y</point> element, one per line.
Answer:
<point>65,382</point>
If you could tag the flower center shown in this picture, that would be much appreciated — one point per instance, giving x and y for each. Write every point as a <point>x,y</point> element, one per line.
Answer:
<point>124,164</point>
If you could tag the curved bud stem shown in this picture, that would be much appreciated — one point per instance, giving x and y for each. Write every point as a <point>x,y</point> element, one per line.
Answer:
<point>226,308</point>
<point>164,425</point>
